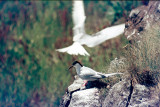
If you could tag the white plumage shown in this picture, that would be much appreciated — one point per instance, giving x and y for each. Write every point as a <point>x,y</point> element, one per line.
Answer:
<point>72,50</point>
<point>81,38</point>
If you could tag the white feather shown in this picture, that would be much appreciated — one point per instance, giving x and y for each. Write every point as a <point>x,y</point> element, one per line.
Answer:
<point>74,49</point>
<point>111,74</point>
<point>101,36</point>
<point>78,17</point>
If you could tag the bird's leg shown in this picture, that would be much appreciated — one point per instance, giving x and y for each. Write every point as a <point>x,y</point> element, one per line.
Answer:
<point>84,85</point>
<point>85,82</point>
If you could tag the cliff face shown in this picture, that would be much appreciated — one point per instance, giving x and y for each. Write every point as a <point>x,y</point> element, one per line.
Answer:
<point>142,19</point>
<point>126,93</point>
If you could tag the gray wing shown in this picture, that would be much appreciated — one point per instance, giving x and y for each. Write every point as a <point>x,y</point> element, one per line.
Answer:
<point>108,75</point>
<point>89,74</point>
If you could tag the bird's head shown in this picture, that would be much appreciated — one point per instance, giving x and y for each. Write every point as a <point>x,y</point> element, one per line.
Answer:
<point>76,64</point>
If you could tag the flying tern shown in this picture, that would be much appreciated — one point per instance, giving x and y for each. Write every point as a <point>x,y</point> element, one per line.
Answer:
<point>81,38</point>
<point>88,74</point>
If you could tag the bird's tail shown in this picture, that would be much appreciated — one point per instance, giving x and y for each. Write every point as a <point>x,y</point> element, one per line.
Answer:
<point>111,74</point>
<point>75,49</point>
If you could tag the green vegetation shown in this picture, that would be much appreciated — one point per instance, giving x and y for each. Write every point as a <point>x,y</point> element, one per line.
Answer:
<point>31,71</point>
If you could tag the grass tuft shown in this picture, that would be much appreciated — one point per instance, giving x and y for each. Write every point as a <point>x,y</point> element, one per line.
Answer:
<point>144,57</point>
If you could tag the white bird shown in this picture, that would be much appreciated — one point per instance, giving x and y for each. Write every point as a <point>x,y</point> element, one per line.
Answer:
<point>88,74</point>
<point>81,38</point>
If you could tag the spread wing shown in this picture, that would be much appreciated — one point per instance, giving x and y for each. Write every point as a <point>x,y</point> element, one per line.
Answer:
<point>103,35</point>
<point>74,49</point>
<point>79,17</point>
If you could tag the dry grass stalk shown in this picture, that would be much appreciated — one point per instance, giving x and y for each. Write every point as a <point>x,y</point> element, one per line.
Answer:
<point>144,57</point>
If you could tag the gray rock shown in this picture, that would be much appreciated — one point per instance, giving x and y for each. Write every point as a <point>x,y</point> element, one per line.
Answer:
<point>118,95</point>
<point>140,94</point>
<point>77,84</point>
<point>124,94</point>
<point>142,97</point>
<point>79,96</point>
<point>85,98</point>
<point>141,19</point>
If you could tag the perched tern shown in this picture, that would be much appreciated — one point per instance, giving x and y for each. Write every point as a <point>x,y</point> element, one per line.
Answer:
<point>81,38</point>
<point>88,74</point>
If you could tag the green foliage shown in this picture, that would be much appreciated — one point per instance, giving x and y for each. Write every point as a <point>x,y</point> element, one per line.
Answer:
<point>31,71</point>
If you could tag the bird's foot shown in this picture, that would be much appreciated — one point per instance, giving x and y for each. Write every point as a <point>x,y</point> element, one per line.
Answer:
<point>85,83</point>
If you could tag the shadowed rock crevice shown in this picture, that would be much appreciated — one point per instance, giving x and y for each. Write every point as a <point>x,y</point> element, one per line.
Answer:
<point>67,99</point>
<point>118,94</point>
<point>97,84</point>
<point>130,95</point>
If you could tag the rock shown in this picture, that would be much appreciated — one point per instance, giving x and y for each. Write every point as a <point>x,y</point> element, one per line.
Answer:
<point>65,100</point>
<point>77,84</point>
<point>71,89</point>
<point>142,18</point>
<point>124,94</point>
<point>85,98</point>
<point>142,97</point>
<point>79,96</point>
<point>118,94</point>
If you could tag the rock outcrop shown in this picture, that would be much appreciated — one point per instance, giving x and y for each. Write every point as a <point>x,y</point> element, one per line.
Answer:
<point>118,95</point>
<point>88,98</point>
<point>82,96</point>
<point>124,94</point>
<point>141,19</point>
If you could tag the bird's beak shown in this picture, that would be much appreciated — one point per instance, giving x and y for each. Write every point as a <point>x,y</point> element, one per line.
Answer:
<point>70,67</point>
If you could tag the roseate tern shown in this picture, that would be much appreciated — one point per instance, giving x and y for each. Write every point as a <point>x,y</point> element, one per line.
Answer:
<point>88,74</point>
<point>81,38</point>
